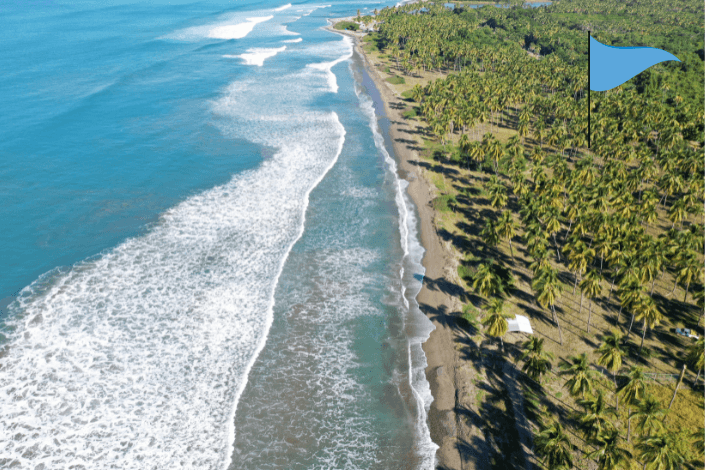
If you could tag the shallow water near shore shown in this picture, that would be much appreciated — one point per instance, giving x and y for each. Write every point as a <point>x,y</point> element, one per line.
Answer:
<point>212,262</point>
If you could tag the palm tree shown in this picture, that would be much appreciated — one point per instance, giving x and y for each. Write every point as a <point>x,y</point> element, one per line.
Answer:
<point>661,452</point>
<point>489,233</point>
<point>597,415</point>
<point>506,228</point>
<point>487,280</point>
<point>536,361</point>
<point>609,454</point>
<point>548,288</point>
<point>696,356</point>
<point>554,447</point>
<point>611,354</point>
<point>590,287</point>
<point>631,392</point>
<point>649,415</point>
<point>646,310</point>
<point>496,320</point>
<point>581,376</point>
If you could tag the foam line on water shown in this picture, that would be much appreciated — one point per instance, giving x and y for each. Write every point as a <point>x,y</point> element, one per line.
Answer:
<point>237,31</point>
<point>230,26</point>
<point>283,7</point>
<point>257,56</point>
<point>293,40</point>
<point>328,66</point>
<point>413,254</point>
<point>341,141</point>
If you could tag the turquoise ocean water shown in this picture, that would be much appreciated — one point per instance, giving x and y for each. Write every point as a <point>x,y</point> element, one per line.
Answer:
<point>208,261</point>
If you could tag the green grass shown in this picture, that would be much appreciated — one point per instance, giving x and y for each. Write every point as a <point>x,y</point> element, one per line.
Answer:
<point>444,203</point>
<point>396,80</point>
<point>410,114</point>
<point>346,25</point>
<point>387,70</point>
<point>408,95</point>
<point>465,273</point>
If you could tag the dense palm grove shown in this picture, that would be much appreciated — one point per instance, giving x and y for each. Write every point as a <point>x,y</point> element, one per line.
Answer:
<point>612,220</point>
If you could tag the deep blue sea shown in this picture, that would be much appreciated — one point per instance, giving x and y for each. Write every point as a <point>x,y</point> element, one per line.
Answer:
<point>208,259</point>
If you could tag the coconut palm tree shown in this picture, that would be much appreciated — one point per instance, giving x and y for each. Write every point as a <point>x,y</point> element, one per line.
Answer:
<point>506,228</point>
<point>496,320</point>
<point>548,288</point>
<point>488,281</point>
<point>661,452</point>
<point>696,356</point>
<point>611,354</point>
<point>581,377</point>
<point>489,233</point>
<point>553,446</point>
<point>632,391</point>
<point>536,361</point>
<point>646,310</point>
<point>596,416</point>
<point>649,414</point>
<point>590,287</point>
<point>609,454</point>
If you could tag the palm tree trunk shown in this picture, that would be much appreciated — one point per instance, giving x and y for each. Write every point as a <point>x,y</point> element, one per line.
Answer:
<point>582,294</point>
<point>687,286</point>
<point>675,284</point>
<point>575,284</point>
<point>643,335</point>
<point>556,243</point>
<point>616,395</point>
<point>630,325</point>
<point>589,316</point>
<point>511,250</point>
<point>555,318</point>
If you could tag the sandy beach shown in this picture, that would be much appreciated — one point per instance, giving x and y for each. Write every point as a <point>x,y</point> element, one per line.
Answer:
<point>447,373</point>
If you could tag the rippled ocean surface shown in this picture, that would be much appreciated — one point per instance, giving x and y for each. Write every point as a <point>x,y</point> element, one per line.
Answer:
<point>208,260</point>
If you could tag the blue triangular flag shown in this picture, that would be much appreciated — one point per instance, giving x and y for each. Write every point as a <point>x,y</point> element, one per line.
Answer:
<point>611,66</point>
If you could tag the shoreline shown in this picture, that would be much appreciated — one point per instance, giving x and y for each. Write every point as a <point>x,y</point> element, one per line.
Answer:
<point>442,357</point>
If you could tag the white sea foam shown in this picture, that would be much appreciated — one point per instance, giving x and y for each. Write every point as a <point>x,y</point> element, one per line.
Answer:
<point>136,360</point>
<point>237,31</point>
<point>232,26</point>
<point>294,40</point>
<point>257,56</point>
<point>283,7</point>
<point>327,67</point>
<point>417,325</point>
<point>284,31</point>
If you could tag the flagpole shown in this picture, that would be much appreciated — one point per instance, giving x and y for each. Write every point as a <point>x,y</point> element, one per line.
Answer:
<point>588,139</point>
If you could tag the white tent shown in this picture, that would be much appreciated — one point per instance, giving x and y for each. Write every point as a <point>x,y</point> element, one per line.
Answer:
<point>520,323</point>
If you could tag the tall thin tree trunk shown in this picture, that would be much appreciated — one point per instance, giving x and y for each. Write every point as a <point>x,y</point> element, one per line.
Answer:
<point>643,335</point>
<point>680,379</point>
<point>511,250</point>
<point>582,294</point>
<point>556,243</point>
<point>630,325</point>
<point>687,286</point>
<point>589,316</point>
